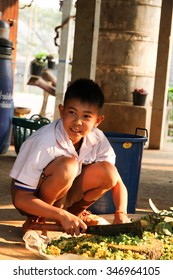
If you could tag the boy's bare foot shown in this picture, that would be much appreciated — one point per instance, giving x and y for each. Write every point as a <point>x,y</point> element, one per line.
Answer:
<point>90,219</point>
<point>29,222</point>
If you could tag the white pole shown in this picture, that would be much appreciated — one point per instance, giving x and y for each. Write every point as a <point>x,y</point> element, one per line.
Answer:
<point>65,50</point>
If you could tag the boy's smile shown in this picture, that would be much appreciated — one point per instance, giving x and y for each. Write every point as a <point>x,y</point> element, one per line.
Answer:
<point>79,119</point>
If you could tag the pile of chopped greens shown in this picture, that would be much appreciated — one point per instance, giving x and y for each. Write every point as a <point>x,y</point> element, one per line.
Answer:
<point>95,246</point>
<point>155,227</point>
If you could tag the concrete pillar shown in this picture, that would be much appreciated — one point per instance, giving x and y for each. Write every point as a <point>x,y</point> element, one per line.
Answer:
<point>86,39</point>
<point>127,47</point>
<point>64,53</point>
<point>127,52</point>
<point>161,79</point>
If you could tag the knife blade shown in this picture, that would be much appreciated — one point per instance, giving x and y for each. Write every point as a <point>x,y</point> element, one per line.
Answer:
<point>134,228</point>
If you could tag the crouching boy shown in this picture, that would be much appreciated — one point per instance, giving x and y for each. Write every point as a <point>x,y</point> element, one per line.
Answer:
<point>67,165</point>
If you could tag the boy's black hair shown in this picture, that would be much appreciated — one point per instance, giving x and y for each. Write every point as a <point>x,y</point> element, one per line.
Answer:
<point>86,90</point>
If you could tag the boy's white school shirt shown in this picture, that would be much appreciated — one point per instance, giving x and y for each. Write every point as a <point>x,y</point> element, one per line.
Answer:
<point>51,141</point>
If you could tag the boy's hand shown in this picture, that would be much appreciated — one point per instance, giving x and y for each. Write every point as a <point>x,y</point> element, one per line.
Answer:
<point>71,223</point>
<point>121,218</point>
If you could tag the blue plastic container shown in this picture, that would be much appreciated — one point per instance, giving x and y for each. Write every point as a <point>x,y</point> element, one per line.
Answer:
<point>128,149</point>
<point>6,100</point>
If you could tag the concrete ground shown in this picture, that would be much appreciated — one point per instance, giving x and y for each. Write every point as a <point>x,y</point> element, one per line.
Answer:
<point>156,182</point>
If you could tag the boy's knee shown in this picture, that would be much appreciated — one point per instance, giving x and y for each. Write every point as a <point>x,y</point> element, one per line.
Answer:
<point>108,167</point>
<point>69,167</point>
<point>109,172</point>
<point>59,176</point>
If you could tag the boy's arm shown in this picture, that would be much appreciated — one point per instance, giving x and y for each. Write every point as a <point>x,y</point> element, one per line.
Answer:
<point>120,198</point>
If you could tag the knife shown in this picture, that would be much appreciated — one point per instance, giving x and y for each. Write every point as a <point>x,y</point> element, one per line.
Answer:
<point>134,228</point>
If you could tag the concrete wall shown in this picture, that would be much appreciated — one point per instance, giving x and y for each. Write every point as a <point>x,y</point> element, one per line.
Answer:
<point>123,117</point>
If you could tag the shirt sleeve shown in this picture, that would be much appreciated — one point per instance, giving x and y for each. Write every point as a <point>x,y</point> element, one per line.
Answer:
<point>30,163</point>
<point>105,151</point>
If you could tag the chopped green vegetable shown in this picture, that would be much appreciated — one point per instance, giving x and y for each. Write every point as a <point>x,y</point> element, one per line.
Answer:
<point>102,247</point>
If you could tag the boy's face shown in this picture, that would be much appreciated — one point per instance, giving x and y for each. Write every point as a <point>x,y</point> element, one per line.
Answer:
<point>79,118</point>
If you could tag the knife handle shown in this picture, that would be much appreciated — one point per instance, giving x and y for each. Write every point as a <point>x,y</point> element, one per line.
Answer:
<point>46,226</point>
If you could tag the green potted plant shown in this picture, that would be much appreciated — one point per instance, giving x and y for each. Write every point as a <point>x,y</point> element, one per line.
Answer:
<point>50,61</point>
<point>139,96</point>
<point>38,64</point>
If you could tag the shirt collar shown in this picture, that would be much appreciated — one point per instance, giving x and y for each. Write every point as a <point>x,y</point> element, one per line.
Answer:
<point>63,139</point>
